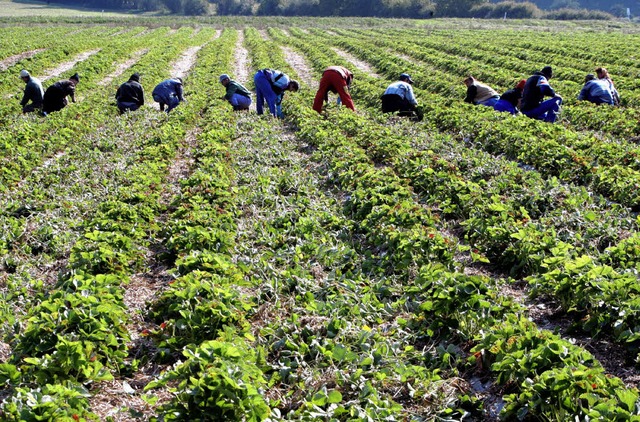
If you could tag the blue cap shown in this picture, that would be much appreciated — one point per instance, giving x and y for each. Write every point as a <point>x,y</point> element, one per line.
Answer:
<point>223,77</point>
<point>407,77</point>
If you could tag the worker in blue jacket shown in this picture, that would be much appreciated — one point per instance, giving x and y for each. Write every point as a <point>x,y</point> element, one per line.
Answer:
<point>168,93</point>
<point>596,91</point>
<point>535,89</point>
<point>271,86</point>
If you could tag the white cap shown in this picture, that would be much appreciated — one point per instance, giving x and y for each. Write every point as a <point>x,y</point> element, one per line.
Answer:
<point>24,74</point>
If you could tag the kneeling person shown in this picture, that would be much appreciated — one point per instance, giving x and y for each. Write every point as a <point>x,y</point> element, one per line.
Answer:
<point>399,97</point>
<point>130,95</point>
<point>237,95</point>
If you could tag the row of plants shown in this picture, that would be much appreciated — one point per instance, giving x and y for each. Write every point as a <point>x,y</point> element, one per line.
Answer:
<point>524,224</point>
<point>75,333</point>
<point>29,140</point>
<point>328,135</point>
<point>488,62</point>
<point>606,167</point>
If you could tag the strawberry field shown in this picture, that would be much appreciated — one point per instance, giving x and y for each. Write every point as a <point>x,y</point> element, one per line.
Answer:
<point>218,266</point>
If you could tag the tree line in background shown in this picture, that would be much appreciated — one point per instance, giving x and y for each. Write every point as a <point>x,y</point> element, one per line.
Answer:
<point>552,9</point>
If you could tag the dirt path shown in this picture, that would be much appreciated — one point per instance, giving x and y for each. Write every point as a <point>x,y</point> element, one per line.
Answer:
<point>186,62</point>
<point>263,33</point>
<point>10,61</point>
<point>300,65</point>
<point>117,396</point>
<point>68,65</point>
<point>122,67</point>
<point>362,66</point>
<point>241,60</point>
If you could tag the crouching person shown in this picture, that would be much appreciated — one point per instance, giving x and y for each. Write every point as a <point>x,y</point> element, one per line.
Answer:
<point>130,95</point>
<point>399,97</point>
<point>168,93</point>
<point>510,100</point>
<point>237,95</point>
<point>33,93</point>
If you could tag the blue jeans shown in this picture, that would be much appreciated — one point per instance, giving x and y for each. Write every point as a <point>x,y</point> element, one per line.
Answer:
<point>546,110</point>
<point>127,106</point>
<point>240,102</point>
<point>504,105</point>
<point>489,102</point>
<point>264,92</point>
<point>171,102</point>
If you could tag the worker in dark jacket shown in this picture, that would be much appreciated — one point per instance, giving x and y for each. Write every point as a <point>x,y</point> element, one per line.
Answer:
<point>510,100</point>
<point>130,95</point>
<point>168,93</point>
<point>271,85</point>
<point>33,93</point>
<point>596,91</point>
<point>535,89</point>
<point>336,79</point>
<point>399,97</point>
<point>55,97</point>
<point>237,95</point>
<point>479,93</point>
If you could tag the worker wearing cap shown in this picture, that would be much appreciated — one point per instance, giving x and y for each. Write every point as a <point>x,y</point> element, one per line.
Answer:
<point>237,95</point>
<point>33,93</point>
<point>510,100</point>
<point>535,89</point>
<point>169,93</point>
<point>336,79</point>
<point>130,95</point>
<point>55,97</point>
<point>479,93</point>
<point>596,91</point>
<point>399,97</point>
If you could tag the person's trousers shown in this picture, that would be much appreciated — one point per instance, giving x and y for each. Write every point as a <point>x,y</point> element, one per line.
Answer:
<point>332,81</point>
<point>30,108</point>
<point>546,110</point>
<point>264,92</point>
<point>490,102</point>
<point>394,102</point>
<point>240,102</point>
<point>171,102</point>
<point>504,105</point>
<point>127,106</point>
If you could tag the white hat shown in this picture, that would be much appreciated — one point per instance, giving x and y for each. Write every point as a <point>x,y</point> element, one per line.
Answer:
<point>24,74</point>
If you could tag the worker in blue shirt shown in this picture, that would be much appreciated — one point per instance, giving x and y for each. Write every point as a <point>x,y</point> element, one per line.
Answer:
<point>270,86</point>
<point>168,93</point>
<point>399,97</point>
<point>596,91</point>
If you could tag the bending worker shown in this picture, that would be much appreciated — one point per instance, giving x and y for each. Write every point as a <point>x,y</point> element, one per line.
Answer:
<point>510,99</point>
<point>270,87</point>
<point>399,97</point>
<point>169,93</point>
<point>237,95</point>
<point>596,91</point>
<point>130,95</point>
<point>55,97</point>
<point>479,93</point>
<point>33,93</point>
<point>336,79</point>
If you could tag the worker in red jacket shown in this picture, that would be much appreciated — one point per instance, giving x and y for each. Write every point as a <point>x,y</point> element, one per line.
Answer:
<point>336,79</point>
